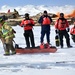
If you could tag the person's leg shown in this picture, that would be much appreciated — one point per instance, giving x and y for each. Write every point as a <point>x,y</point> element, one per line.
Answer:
<point>42,36</point>
<point>48,36</point>
<point>67,39</point>
<point>61,39</point>
<point>26,35</point>
<point>42,39</point>
<point>6,49</point>
<point>32,38</point>
<point>11,47</point>
<point>73,38</point>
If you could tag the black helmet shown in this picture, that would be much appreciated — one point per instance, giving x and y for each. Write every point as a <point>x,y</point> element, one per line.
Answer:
<point>45,11</point>
<point>26,15</point>
<point>61,14</point>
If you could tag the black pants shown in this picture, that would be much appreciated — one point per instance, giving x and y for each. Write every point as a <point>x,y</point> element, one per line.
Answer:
<point>64,33</point>
<point>29,36</point>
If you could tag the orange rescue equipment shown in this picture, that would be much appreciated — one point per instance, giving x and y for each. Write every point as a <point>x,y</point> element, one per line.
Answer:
<point>46,21</point>
<point>61,25</point>
<point>72,31</point>
<point>28,24</point>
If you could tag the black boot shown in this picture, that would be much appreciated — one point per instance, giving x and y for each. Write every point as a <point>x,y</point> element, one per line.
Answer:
<point>69,46</point>
<point>61,46</point>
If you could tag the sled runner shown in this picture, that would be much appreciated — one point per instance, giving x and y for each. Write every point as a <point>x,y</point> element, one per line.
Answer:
<point>52,49</point>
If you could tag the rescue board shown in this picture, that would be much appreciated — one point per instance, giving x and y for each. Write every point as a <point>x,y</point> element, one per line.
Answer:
<point>36,50</point>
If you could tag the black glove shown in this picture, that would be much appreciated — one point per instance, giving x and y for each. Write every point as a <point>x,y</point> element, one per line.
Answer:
<point>13,31</point>
<point>56,31</point>
<point>71,34</point>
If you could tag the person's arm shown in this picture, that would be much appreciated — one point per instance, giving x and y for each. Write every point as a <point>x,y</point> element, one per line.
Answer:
<point>56,24</point>
<point>67,26</point>
<point>50,19</point>
<point>22,23</point>
<point>40,20</point>
<point>56,27</point>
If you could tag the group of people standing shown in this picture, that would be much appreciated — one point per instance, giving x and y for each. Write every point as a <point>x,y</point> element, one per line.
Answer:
<point>28,24</point>
<point>61,28</point>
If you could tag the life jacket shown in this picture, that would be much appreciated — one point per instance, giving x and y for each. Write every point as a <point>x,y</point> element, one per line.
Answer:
<point>72,31</point>
<point>46,21</point>
<point>61,24</point>
<point>27,24</point>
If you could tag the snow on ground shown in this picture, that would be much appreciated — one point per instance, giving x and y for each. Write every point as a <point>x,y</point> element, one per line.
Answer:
<point>60,63</point>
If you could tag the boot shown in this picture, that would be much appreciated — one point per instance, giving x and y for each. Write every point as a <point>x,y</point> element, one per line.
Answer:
<point>47,45</point>
<point>42,46</point>
<point>69,46</point>
<point>14,52</point>
<point>7,54</point>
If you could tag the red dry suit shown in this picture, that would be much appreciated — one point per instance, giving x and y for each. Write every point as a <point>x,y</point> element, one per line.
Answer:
<point>61,24</point>
<point>27,24</point>
<point>72,31</point>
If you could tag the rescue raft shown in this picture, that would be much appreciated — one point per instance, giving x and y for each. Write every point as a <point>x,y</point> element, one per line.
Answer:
<point>52,49</point>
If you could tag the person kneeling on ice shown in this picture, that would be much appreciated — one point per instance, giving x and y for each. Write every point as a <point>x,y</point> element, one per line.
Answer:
<point>28,24</point>
<point>45,21</point>
<point>72,32</point>
<point>62,28</point>
<point>7,35</point>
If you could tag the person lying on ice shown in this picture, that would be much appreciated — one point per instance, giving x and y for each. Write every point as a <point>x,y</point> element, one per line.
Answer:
<point>72,32</point>
<point>62,28</point>
<point>7,35</point>
<point>28,24</point>
<point>45,21</point>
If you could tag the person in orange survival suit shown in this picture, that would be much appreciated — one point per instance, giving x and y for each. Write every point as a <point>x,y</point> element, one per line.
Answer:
<point>72,32</point>
<point>28,24</point>
<point>45,21</point>
<point>62,28</point>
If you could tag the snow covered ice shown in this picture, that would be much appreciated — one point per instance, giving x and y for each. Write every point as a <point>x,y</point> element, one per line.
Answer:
<point>60,63</point>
